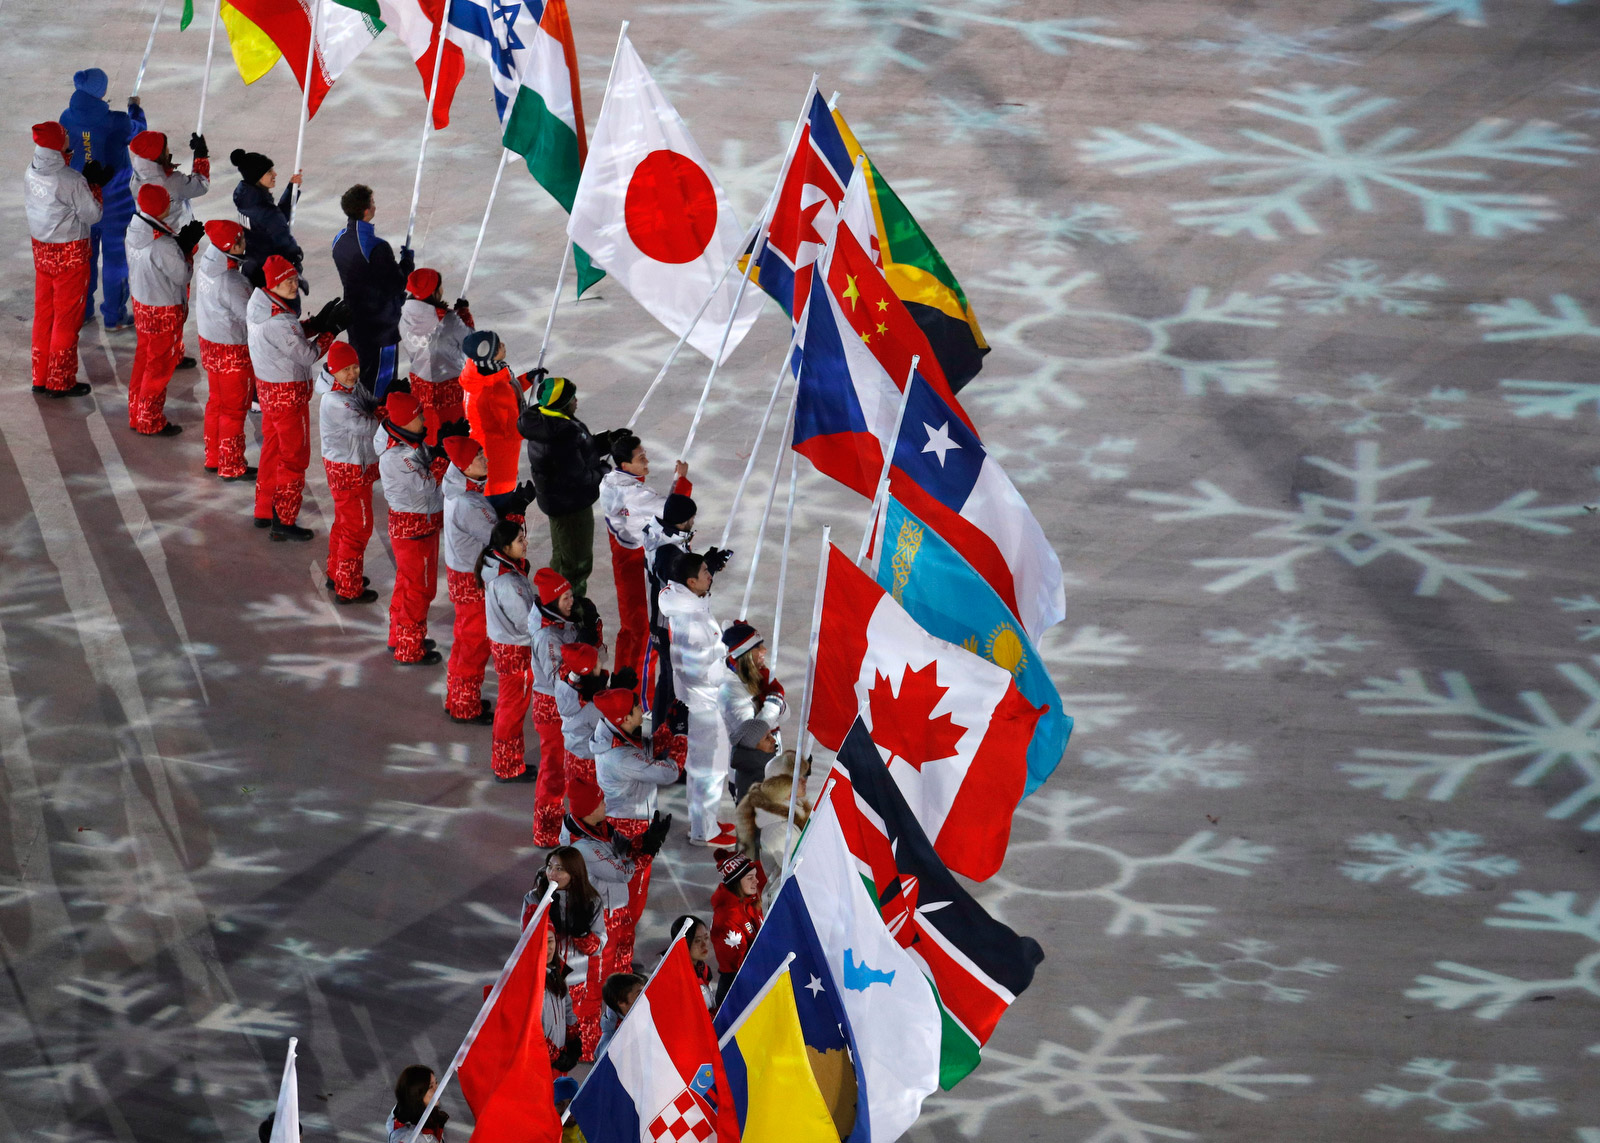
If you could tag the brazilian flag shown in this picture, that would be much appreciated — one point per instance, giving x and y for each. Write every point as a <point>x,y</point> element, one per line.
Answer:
<point>920,277</point>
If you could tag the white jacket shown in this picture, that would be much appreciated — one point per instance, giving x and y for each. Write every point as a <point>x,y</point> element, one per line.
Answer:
<point>279,347</point>
<point>158,273</point>
<point>468,520</point>
<point>58,200</point>
<point>578,719</point>
<point>221,293</point>
<point>628,775</point>
<point>627,502</point>
<point>180,187</point>
<point>507,596</point>
<point>433,343</point>
<point>346,428</point>
<point>698,656</point>
<point>408,483</point>
<point>738,705</point>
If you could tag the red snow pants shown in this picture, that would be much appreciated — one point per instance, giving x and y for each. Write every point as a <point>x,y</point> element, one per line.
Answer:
<point>513,666</point>
<point>548,807</point>
<point>633,614</point>
<point>414,536</point>
<point>61,272</point>
<point>230,379</point>
<point>469,646</point>
<point>285,448</point>
<point>441,401</point>
<point>160,348</point>
<point>621,923</point>
<point>351,488</point>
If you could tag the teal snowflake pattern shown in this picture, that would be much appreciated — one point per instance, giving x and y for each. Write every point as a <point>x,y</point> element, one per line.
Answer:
<point>960,121</point>
<point>1468,12</point>
<point>1369,402</point>
<point>1158,760</point>
<point>1547,741</point>
<point>1437,868</point>
<point>1520,319</point>
<point>1462,1100</point>
<point>1590,93</point>
<point>1047,448</point>
<point>1299,174</point>
<point>1589,629</point>
<point>1362,528</point>
<point>1255,49</point>
<point>1050,233</point>
<point>1562,400</point>
<point>1356,283</point>
<point>1492,994</point>
<point>1291,640</point>
<point>1247,971</point>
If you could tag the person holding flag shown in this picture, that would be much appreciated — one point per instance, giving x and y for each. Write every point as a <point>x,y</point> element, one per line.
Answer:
<point>432,333</point>
<point>153,166</point>
<point>374,285</point>
<point>266,221</point>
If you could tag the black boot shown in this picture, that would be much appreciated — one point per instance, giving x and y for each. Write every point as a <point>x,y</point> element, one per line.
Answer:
<point>365,582</point>
<point>485,717</point>
<point>282,531</point>
<point>248,474</point>
<point>367,596</point>
<point>429,658</point>
<point>525,776</point>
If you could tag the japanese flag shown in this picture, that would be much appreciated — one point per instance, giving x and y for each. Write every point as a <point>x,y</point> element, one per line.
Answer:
<point>651,214</point>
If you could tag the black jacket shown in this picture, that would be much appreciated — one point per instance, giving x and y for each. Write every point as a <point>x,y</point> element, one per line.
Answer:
<point>565,461</point>
<point>374,283</point>
<point>268,232</point>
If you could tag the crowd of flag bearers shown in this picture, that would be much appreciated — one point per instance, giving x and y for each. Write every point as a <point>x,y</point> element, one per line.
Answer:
<point>844,973</point>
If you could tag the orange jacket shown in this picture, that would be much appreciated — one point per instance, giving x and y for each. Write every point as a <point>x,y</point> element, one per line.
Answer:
<point>492,410</point>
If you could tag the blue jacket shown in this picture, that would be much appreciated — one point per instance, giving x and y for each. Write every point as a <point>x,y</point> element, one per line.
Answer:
<point>268,232</point>
<point>374,284</point>
<point>97,132</point>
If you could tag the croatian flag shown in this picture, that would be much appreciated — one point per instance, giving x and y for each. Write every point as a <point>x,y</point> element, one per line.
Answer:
<point>661,1079</point>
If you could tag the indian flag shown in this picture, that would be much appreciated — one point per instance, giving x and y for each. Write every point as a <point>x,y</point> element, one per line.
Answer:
<point>533,64</point>
<point>261,31</point>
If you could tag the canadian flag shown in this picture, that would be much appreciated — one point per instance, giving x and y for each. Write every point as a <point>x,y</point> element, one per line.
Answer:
<point>953,727</point>
<point>650,213</point>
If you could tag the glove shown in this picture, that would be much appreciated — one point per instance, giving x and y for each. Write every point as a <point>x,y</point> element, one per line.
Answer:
<point>408,260</point>
<point>454,429</point>
<point>651,841</point>
<point>625,679</point>
<point>462,306</point>
<point>567,1059</point>
<point>197,144</point>
<point>331,318</point>
<point>369,404</point>
<point>189,237</point>
<point>769,686</point>
<point>717,559</point>
<point>96,173</point>
<point>520,497</point>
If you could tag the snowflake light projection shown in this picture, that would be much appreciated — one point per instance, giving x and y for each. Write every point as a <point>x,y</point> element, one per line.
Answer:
<point>1160,760</point>
<point>1362,528</point>
<point>1438,868</point>
<point>964,121</point>
<point>1587,630</point>
<point>1051,233</point>
<point>1254,49</point>
<point>1548,742</point>
<point>1522,319</point>
<point>1491,994</point>
<point>1151,339</point>
<point>1468,12</point>
<point>1290,641</point>
<point>1356,283</point>
<point>1107,1080</point>
<point>1368,402</point>
<point>1562,400</point>
<point>1088,647</point>
<point>1047,449</point>
<point>1300,174</point>
<point>1590,93</point>
<point>1462,1101</point>
<point>1045,841</point>
<point>1247,971</point>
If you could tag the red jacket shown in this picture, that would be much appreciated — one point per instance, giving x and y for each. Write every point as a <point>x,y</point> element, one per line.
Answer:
<point>492,411</point>
<point>735,921</point>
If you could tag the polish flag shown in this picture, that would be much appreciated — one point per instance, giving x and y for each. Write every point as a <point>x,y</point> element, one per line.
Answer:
<point>953,727</point>
<point>652,215</point>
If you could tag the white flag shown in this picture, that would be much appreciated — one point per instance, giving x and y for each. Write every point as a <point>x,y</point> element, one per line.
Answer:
<point>286,1120</point>
<point>652,215</point>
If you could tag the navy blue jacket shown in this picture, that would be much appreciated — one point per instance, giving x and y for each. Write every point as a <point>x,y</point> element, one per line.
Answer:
<point>269,232</point>
<point>374,284</point>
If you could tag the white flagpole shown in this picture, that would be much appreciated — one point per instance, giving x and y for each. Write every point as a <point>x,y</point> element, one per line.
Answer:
<point>783,565</point>
<point>888,462</point>
<point>205,81</point>
<point>761,432</point>
<point>286,1116</point>
<point>427,124</point>
<point>805,702</point>
<point>149,45</point>
<point>305,106</point>
<point>494,189</point>
<point>483,1012</point>
<point>555,300</point>
<point>761,994</point>
<point>766,511</point>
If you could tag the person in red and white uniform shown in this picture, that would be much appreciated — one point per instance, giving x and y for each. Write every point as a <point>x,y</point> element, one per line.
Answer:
<point>469,519</point>
<point>221,293</point>
<point>416,512</point>
<point>158,279</point>
<point>62,206</point>
<point>550,626</point>
<point>348,422</point>
<point>151,161</point>
<point>432,334</point>
<point>507,599</point>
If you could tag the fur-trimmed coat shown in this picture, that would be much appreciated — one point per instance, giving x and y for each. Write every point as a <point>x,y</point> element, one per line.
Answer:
<point>762,817</point>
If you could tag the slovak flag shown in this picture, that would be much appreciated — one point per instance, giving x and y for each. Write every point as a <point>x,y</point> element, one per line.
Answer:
<point>945,476</point>
<point>661,1079</point>
<point>954,726</point>
<point>652,215</point>
<point>813,182</point>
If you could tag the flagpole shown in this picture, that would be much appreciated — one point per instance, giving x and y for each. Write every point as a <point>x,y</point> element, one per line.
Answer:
<point>280,1125</point>
<point>805,702</point>
<point>761,994</point>
<point>888,462</point>
<point>783,564</point>
<point>766,512</point>
<point>761,432</point>
<point>494,189</point>
<point>205,82</point>
<point>749,268</point>
<point>427,124</point>
<point>555,300</point>
<point>149,45</point>
<point>305,107</point>
<point>483,1012</point>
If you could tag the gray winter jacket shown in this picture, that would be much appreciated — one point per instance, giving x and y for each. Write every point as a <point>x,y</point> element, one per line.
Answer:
<point>468,520</point>
<point>507,597</point>
<point>180,186</point>
<point>347,428</point>
<point>58,201</point>
<point>408,483</point>
<point>578,719</point>
<point>221,294</point>
<point>547,641</point>
<point>158,273</point>
<point>628,775</point>
<point>608,873</point>
<point>279,348</point>
<point>433,343</point>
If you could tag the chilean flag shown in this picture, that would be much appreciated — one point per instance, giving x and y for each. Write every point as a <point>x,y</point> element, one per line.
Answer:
<point>661,1079</point>
<point>813,183</point>
<point>954,726</point>
<point>944,475</point>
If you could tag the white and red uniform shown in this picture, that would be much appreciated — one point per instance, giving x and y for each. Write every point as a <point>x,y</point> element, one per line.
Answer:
<point>507,599</point>
<point>698,667</point>
<point>578,720</point>
<point>61,207</point>
<point>432,336</point>
<point>221,293</point>
<point>158,280</point>
<point>626,502</point>
<point>549,631</point>
<point>629,778</point>
<point>350,458</point>
<point>469,518</point>
<point>416,510</point>
<point>179,186</point>
<point>285,361</point>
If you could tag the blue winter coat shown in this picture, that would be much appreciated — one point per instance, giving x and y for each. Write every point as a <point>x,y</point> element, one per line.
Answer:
<point>374,283</point>
<point>268,232</point>
<point>97,132</point>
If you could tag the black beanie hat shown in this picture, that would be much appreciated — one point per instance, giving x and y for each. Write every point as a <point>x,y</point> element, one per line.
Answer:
<point>481,345</point>
<point>677,511</point>
<point>252,165</point>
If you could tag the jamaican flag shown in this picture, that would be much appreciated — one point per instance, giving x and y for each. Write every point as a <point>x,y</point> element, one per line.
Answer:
<point>920,277</point>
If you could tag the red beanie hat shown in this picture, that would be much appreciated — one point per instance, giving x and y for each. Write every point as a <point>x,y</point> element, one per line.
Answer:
<point>50,135</point>
<point>462,451</point>
<point>154,201</point>
<point>579,658</point>
<point>223,233</point>
<point>583,796</point>
<point>276,269</point>
<point>422,283</point>
<point>550,583</point>
<point>148,145</point>
<point>615,704</point>
<point>341,355</point>
<point>402,408</point>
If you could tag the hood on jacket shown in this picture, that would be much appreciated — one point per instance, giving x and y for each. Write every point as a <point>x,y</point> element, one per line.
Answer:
<point>261,306</point>
<point>141,235</point>
<point>454,483</point>
<point>46,161</point>
<point>213,262</point>
<point>474,383</point>
<point>90,109</point>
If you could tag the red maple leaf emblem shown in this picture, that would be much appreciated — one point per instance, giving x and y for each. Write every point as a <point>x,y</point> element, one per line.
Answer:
<point>904,725</point>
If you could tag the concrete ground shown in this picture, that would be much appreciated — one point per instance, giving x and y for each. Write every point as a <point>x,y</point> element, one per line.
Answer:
<point>1293,314</point>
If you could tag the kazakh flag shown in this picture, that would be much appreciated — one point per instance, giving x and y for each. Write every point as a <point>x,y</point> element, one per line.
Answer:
<point>941,591</point>
<point>920,277</point>
<point>769,1070</point>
